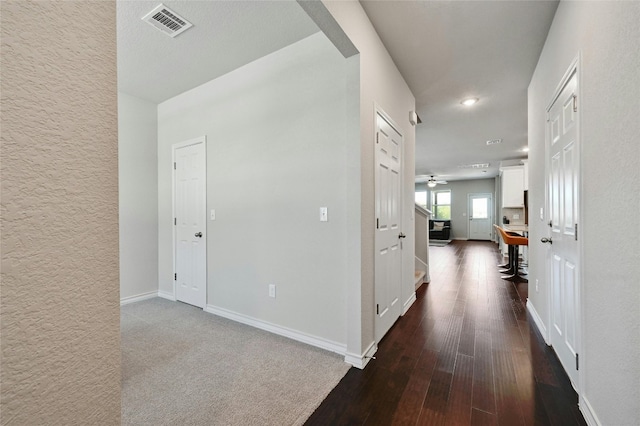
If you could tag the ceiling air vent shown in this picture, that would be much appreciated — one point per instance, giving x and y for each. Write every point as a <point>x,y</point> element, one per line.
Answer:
<point>494,141</point>
<point>474,166</point>
<point>167,21</point>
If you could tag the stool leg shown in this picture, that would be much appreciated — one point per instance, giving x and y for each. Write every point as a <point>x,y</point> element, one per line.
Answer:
<point>510,270</point>
<point>514,275</point>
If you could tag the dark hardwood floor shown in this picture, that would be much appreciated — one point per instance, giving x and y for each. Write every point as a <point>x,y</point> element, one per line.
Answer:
<point>466,353</point>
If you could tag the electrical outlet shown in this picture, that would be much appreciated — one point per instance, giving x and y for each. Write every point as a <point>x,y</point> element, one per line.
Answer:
<point>213,214</point>
<point>272,290</point>
<point>516,216</point>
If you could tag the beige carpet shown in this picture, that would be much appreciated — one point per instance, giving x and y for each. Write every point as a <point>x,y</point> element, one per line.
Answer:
<point>183,366</point>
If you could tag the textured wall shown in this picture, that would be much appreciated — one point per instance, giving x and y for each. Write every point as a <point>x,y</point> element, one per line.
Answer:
<point>59,293</point>
<point>606,35</point>
<point>138,177</point>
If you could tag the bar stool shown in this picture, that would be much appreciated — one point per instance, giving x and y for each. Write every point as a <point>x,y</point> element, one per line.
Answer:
<point>513,241</point>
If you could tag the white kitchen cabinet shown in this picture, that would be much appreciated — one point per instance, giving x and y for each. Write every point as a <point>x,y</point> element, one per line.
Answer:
<point>512,182</point>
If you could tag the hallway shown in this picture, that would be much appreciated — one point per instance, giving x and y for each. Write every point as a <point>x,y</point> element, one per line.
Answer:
<point>465,353</point>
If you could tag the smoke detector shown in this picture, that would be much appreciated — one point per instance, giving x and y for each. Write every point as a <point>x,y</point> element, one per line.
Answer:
<point>167,21</point>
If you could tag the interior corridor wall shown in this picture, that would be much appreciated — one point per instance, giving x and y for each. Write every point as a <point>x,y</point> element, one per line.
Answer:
<point>138,195</point>
<point>276,153</point>
<point>381,86</point>
<point>59,298</point>
<point>606,36</point>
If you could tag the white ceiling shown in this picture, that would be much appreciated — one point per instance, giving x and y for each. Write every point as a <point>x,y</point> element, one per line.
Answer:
<point>450,50</point>
<point>446,50</point>
<point>225,35</point>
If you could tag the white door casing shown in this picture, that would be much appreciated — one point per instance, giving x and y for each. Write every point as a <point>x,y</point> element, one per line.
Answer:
<point>480,216</point>
<point>563,266</point>
<point>189,207</point>
<point>388,234</point>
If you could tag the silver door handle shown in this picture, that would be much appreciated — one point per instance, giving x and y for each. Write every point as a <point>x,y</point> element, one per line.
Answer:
<point>199,234</point>
<point>546,240</point>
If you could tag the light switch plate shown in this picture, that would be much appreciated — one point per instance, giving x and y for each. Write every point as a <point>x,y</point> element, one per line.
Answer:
<point>324,215</point>
<point>213,214</point>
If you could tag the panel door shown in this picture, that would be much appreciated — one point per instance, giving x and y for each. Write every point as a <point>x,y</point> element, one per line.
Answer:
<point>388,258</point>
<point>563,208</point>
<point>480,220</point>
<point>190,224</point>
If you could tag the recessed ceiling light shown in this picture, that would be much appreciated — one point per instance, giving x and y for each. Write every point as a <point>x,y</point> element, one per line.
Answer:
<point>469,101</point>
<point>494,141</point>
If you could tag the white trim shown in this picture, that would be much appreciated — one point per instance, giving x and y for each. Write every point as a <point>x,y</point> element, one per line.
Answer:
<point>407,305</point>
<point>361,361</point>
<point>138,297</point>
<point>318,342</point>
<point>538,321</point>
<point>588,412</point>
<point>167,295</point>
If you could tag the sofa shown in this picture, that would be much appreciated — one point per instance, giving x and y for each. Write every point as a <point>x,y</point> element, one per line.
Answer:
<point>439,229</point>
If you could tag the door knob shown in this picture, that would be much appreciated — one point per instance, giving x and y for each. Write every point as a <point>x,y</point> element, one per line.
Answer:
<point>402,235</point>
<point>546,240</point>
<point>199,234</point>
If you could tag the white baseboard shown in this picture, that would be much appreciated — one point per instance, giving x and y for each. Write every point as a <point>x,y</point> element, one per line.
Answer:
<point>318,342</point>
<point>587,412</point>
<point>166,295</point>
<point>409,302</point>
<point>361,361</point>
<point>138,297</point>
<point>538,321</point>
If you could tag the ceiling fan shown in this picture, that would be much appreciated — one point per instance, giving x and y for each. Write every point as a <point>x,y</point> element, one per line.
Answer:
<point>432,182</point>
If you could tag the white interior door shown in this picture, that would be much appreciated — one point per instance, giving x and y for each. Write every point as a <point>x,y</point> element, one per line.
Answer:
<point>190,222</point>
<point>480,219</point>
<point>388,236</point>
<point>563,178</point>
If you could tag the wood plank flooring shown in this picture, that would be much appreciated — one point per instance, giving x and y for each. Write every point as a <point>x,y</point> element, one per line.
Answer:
<point>464,354</point>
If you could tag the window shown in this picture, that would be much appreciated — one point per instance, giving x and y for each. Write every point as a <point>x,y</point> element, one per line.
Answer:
<point>441,204</point>
<point>421,199</point>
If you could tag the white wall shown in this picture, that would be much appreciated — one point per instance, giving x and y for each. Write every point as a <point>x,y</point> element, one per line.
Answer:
<point>60,328</point>
<point>138,193</point>
<point>381,85</point>
<point>606,35</point>
<point>276,153</point>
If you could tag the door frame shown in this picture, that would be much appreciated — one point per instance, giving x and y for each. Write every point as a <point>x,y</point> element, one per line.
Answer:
<point>574,68</point>
<point>489,211</point>
<point>174,235</point>
<point>378,111</point>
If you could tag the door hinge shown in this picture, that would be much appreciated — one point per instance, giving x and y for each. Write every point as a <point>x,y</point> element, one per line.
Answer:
<point>175,220</point>
<point>577,361</point>
<point>377,223</point>
<point>377,309</point>
<point>575,103</point>
<point>550,224</point>
<point>174,165</point>
<point>377,137</point>
<point>576,231</point>
<point>175,277</point>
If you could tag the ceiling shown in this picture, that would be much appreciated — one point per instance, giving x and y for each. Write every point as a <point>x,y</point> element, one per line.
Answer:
<point>225,35</point>
<point>451,50</point>
<point>446,51</point>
